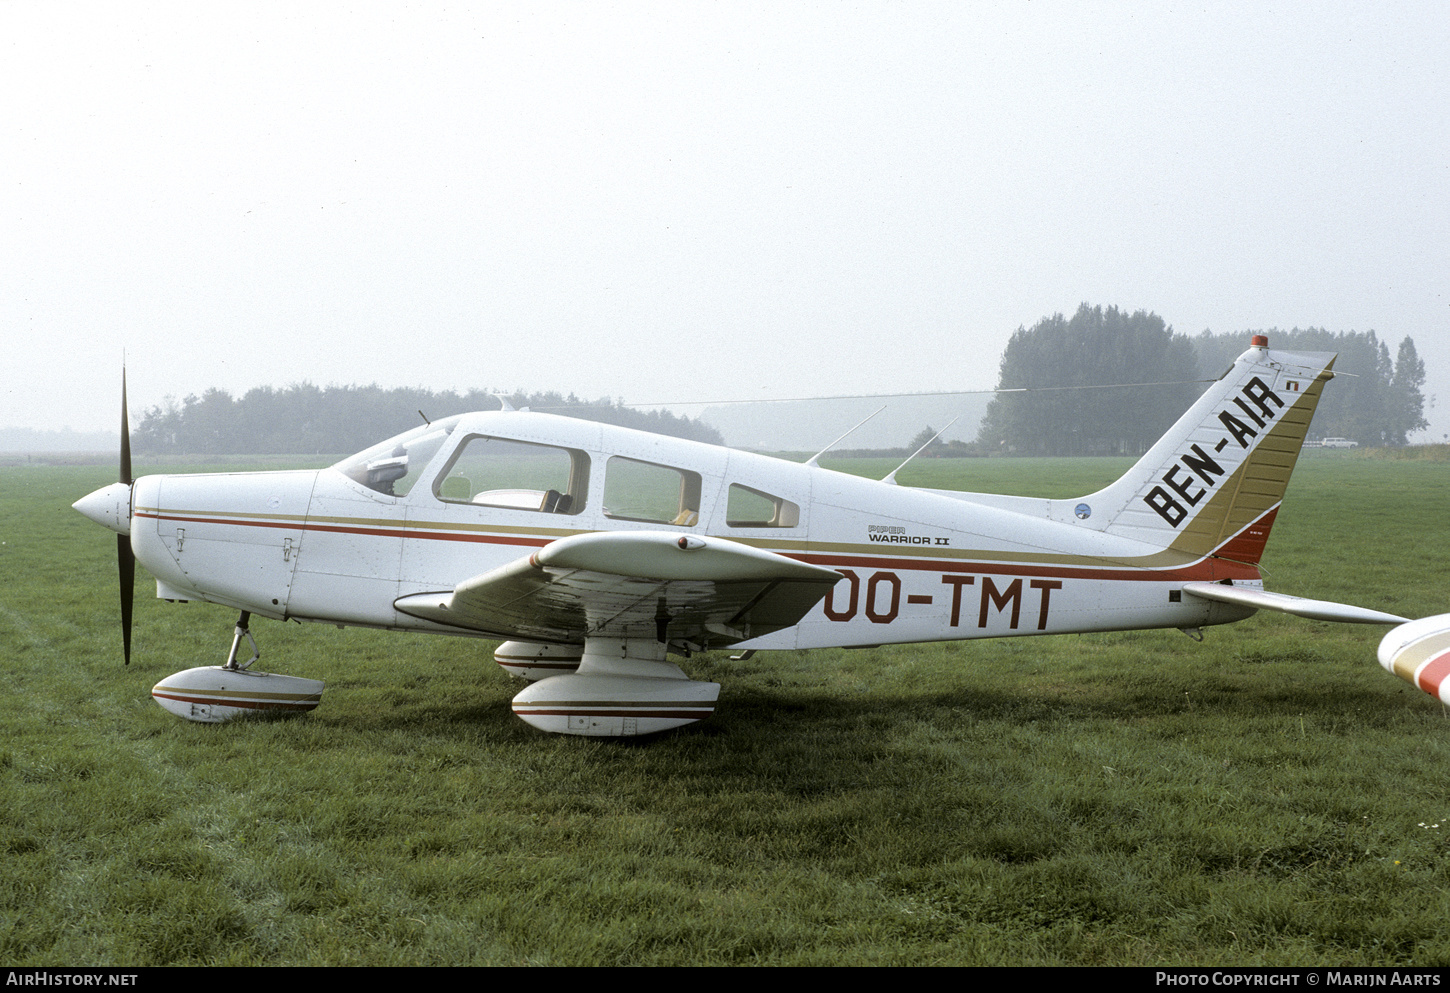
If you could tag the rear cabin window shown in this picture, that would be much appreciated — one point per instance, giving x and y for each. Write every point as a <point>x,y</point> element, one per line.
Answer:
<point>645,491</point>
<point>748,508</point>
<point>519,475</point>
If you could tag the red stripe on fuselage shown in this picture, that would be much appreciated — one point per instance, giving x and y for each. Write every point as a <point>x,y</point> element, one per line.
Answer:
<point>1209,568</point>
<point>370,531</point>
<point>1212,569</point>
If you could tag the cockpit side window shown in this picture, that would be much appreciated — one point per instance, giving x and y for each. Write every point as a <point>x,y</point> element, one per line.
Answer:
<point>518,475</point>
<point>751,508</point>
<point>646,491</point>
<point>391,468</point>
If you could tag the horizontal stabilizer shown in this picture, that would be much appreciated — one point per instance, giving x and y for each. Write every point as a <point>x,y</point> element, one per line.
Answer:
<point>1318,610</point>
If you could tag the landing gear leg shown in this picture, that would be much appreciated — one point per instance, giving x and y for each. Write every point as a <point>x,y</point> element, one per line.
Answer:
<point>241,630</point>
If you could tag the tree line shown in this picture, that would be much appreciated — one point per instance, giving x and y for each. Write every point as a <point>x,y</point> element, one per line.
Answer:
<point>308,419</point>
<point>1097,350</point>
<point>1375,402</point>
<point>1069,371</point>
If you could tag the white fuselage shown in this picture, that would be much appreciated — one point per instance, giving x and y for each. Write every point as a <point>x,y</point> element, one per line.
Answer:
<point>916,565</point>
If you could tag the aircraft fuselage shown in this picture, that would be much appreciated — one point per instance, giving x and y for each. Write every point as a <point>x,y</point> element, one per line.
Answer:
<point>916,565</point>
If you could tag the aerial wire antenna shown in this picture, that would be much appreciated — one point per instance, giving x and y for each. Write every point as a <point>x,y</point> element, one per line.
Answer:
<point>891,476</point>
<point>823,451</point>
<point>928,393</point>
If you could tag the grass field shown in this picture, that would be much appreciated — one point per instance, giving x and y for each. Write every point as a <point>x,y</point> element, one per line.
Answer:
<point>1270,796</point>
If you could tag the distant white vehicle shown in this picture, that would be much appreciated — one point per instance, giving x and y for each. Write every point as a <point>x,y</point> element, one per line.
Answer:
<point>1340,443</point>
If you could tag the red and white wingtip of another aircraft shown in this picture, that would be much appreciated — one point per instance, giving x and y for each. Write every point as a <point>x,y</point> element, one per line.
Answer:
<point>1419,653</point>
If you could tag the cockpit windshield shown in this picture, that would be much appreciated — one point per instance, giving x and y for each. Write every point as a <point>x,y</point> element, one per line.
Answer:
<point>392,467</point>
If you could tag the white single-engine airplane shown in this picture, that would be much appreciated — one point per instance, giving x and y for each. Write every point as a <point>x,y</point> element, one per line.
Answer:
<point>594,551</point>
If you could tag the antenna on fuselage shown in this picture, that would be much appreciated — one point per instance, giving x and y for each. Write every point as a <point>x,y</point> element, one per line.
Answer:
<point>504,401</point>
<point>823,451</point>
<point>891,476</point>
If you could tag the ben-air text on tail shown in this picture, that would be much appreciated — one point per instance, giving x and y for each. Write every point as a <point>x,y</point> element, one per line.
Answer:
<point>594,552</point>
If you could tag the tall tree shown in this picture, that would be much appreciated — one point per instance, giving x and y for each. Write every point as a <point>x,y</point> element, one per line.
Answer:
<point>1097,347</point>
<point>1407,413</point>
<point>1374,401</point>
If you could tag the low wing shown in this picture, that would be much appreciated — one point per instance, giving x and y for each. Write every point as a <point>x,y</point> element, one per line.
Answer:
<point>1319,610</point>
<point>656,584</point>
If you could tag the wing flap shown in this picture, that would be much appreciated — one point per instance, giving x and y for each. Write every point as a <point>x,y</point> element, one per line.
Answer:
<point>1319,610</point>
<point>634,584</point>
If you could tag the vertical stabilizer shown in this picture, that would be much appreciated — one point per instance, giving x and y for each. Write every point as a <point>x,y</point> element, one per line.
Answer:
<point>1213,483</point>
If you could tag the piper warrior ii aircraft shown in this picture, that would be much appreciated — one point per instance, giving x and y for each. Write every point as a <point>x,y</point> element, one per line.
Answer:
<point>593,552</point>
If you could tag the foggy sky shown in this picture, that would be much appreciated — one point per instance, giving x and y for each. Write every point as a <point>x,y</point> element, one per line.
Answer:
<point>666,201</point>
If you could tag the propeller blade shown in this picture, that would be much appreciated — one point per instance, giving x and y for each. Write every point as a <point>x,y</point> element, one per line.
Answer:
<point>125,434</point>
<point>125,558</point>
<point>126,567</point>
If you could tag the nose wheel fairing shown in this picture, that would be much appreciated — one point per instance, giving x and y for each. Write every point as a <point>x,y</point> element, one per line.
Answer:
<point>212,694</point>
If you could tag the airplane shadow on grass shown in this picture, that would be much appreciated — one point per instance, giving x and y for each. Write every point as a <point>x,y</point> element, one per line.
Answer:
<point>751,712</point>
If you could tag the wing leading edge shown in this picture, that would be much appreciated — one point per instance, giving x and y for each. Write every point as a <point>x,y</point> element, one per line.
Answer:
<point>632,584</point>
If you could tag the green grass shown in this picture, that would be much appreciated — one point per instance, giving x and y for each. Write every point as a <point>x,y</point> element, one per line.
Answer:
<point>1270,796</point>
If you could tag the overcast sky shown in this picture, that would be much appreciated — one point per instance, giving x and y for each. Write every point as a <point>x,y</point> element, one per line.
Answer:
<point>666,201</point>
